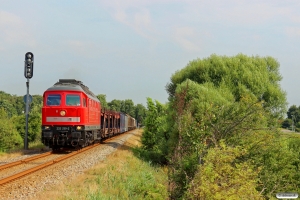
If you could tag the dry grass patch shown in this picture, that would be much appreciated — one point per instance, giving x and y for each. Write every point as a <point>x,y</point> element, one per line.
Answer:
<point>5,156</point>
<point>33,147</point>
<point>121,176</point>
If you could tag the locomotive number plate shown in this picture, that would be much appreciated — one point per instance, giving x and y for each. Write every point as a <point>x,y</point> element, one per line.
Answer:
<point>62,128</point>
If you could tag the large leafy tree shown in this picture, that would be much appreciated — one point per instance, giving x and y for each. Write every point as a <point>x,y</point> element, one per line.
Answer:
<point>215,99</point>
<point>241,74</point>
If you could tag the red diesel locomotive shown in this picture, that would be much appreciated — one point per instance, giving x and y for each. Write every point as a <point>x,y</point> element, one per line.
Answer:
<point>72,117</point>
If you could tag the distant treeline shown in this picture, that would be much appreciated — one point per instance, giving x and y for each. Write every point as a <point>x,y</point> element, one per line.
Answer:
<point>137,111</point>
<point>12,117</point>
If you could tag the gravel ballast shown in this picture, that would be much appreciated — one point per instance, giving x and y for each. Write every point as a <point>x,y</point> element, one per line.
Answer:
<point>29,186</point>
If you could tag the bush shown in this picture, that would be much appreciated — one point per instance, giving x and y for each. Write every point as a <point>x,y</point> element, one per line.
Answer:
<point>278,158</point>
<point>34,125</point>
<point>9,136</point>
<point>155,134</point>
<point>223,177</point>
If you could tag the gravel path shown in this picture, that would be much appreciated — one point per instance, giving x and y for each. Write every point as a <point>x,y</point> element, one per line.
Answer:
<point>29,186</point>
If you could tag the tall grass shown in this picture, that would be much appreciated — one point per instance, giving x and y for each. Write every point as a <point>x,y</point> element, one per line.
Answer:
<point>125,177</point>
<point>121,175</point>
<point>133,179</point>
<point>36,145</point>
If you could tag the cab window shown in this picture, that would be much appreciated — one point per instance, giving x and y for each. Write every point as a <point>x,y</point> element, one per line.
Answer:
<point>72,100</point>
<point>53,100</point>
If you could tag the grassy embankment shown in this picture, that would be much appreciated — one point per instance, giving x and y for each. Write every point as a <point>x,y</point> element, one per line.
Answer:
<point>121,176</point>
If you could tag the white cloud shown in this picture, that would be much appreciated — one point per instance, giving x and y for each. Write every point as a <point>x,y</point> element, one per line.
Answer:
<point>293,31</point>
<point>184,36</point>
<point>13,30</point>
<point>7,19</point>
<point>135,14</point>
<point>138,15</point>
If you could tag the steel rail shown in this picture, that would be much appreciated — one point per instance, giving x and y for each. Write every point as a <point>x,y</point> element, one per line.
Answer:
<point>25,160</point>
<point>39,167</point>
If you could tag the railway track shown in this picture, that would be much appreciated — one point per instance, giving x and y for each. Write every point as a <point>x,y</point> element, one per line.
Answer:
<point>40,162</point>
<point>19,162</point>
<point>61,172</point>
<point>55,158</point>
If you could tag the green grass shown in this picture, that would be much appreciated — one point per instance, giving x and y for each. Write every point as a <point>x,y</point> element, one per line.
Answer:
<point>125,177</point>
<point>36,145</point>
<point>133,179</point>
<point>121,175</point>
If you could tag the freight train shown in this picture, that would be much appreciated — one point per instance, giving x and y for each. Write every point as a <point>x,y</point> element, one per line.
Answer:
<point>72,117</point>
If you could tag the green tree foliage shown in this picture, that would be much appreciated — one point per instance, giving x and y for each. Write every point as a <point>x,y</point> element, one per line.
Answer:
<point>37,104</point>
<point>34,125</point>
<point>12,104</point>
<point>287,123</point>
<point>140,113</point>
<point>294,111</point>
<point>9,137</point>
<point>116,105</point>
<point>255,76</point>
<point>129,107</point>
<point>155,135</point>
<point>277,157</point>
<point>102,99</point>
<point>293,118</point>
<point>223,99</point>
<point>222,177</point>
<point>14,107</point>
<point>204,115</point>
<point>149,135</point>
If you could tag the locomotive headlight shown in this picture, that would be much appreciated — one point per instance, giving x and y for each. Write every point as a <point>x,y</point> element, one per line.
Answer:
<point>46,127</point>
<point>78,128</point>
<point>62,113</point>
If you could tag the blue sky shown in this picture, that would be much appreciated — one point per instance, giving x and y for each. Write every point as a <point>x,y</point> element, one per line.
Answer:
<point>129,49</point>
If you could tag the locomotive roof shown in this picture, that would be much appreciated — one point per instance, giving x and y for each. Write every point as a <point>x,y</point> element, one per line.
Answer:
<point>72,84</point>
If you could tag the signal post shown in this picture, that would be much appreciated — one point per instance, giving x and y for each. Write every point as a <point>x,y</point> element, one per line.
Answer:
<point>28,73</point>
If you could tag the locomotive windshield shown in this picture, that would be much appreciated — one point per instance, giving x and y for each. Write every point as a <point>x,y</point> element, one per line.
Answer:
<point>53,100</point>
<point>73,100</point>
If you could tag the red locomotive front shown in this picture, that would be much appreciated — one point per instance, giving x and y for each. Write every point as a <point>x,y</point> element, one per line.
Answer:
<point>70,115</point>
